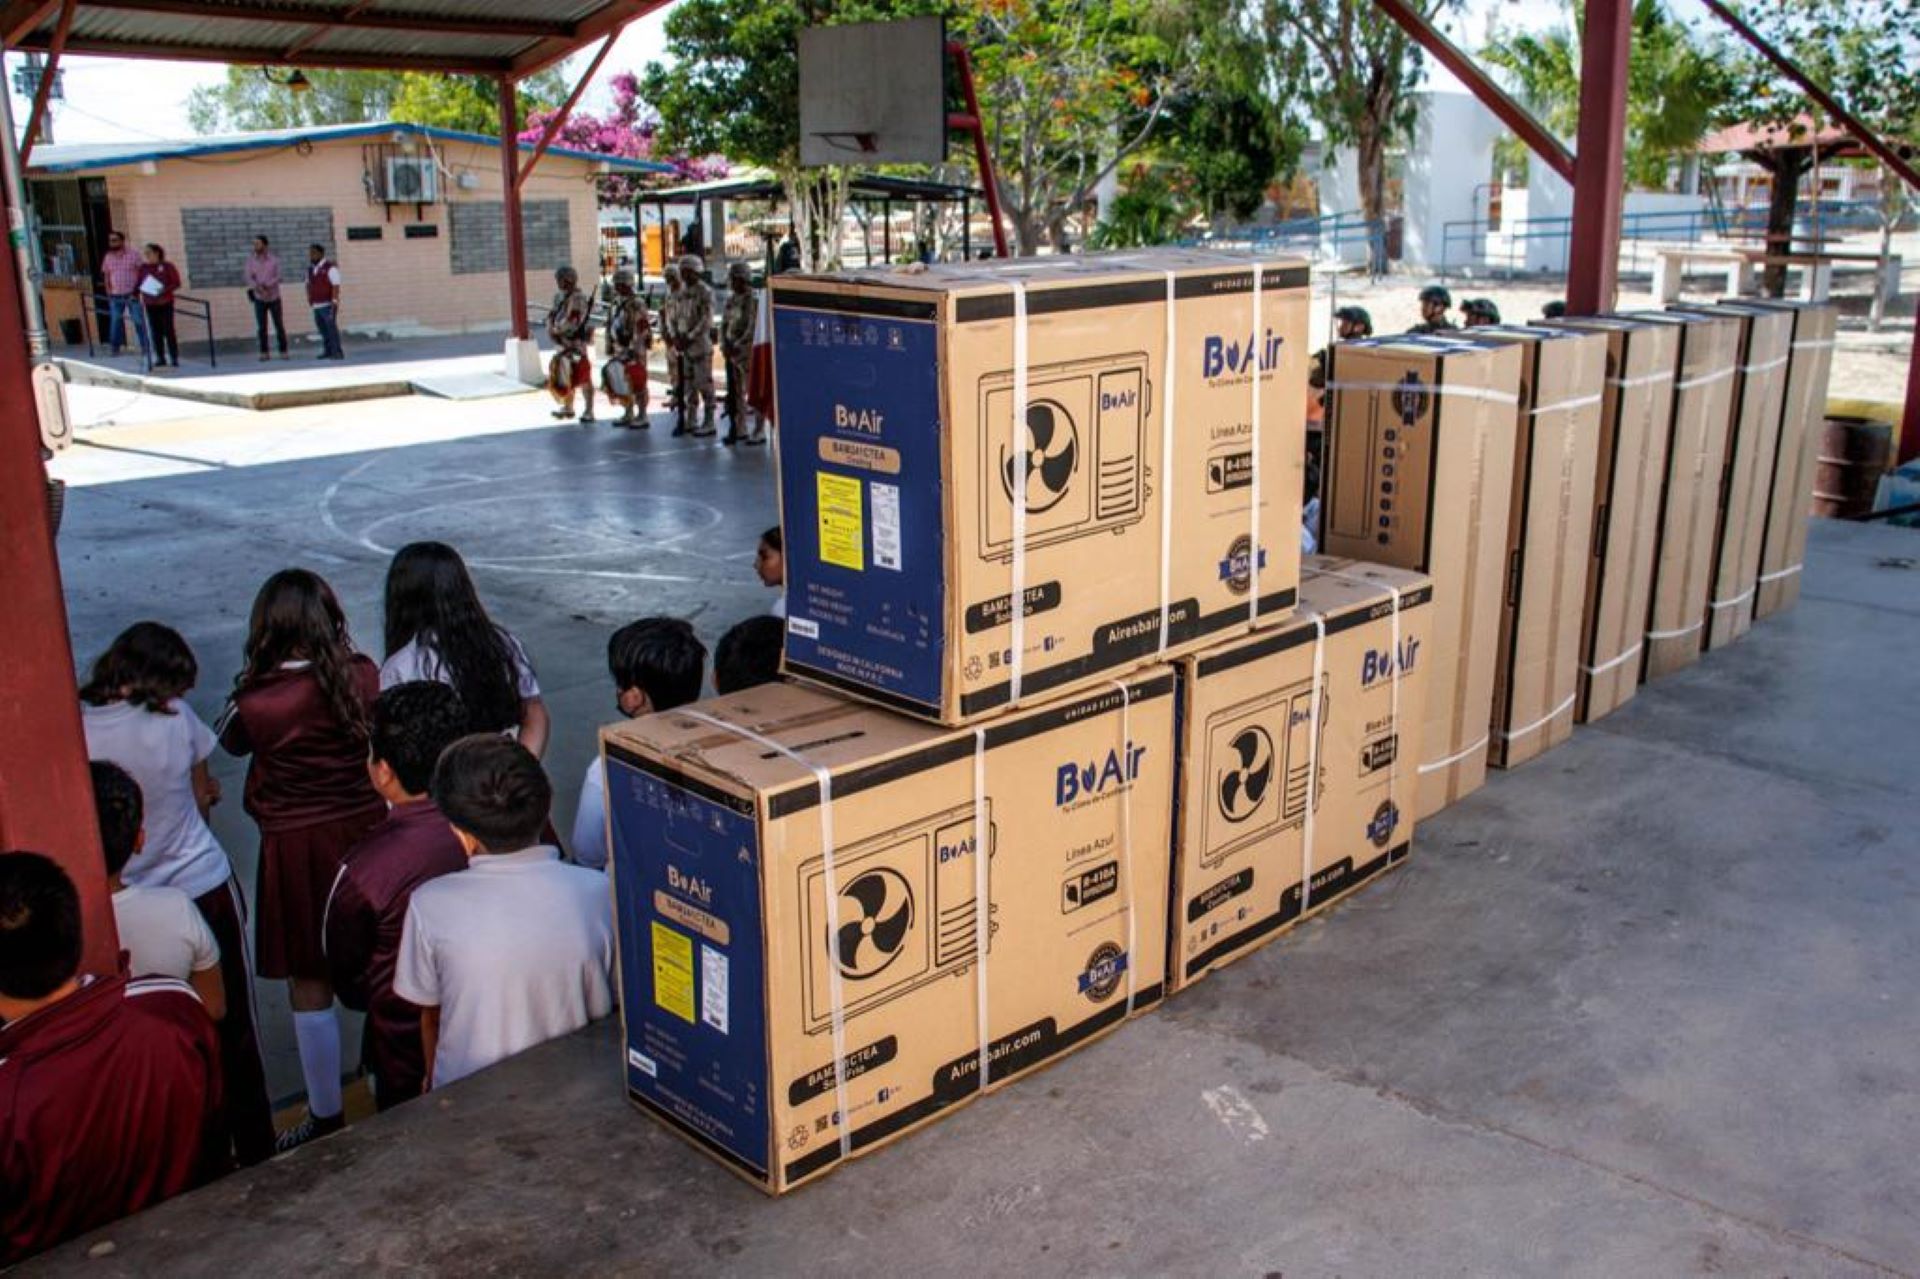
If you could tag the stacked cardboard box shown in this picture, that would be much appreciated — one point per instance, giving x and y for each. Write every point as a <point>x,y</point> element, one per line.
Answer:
<point>1296,775</point>
<point>1419,475</point>
<point>1635,423</point>
<point>1689,496</point>
<point>802,881</point>
<point>1149,501</point>
<point>1753,439</point>
<point>1549,533</point>
<point>1790,489</point>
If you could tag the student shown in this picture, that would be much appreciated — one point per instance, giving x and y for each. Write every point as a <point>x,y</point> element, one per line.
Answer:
<point>133,711</point>
<point>748,654</point>
<point>437,629</point>
<point>160,931</point>
<point>517,948</point>
<point>770,562</point>
<point>111,1085</point>
<point>159,282</point>
<point>656,664</point>
<point>300,710</point>
<point>412,724</point>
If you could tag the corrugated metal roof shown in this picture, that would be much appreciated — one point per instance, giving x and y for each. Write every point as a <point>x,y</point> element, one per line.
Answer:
<point>84,157</point>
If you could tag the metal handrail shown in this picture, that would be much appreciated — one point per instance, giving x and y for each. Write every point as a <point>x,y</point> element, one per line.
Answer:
<point>94,305</point>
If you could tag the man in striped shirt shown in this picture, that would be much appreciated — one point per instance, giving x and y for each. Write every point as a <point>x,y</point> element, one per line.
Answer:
<point>120,273</point>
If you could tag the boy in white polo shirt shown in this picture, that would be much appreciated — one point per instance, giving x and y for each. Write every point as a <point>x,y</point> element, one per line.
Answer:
<point>518,949</point>
<point>161,931</point>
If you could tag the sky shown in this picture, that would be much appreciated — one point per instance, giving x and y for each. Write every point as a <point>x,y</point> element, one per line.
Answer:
<point>99,109</point>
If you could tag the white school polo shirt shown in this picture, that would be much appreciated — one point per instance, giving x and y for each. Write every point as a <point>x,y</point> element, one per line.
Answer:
<point>159,752</point>
<point>515,951</point>
<point>163,933</point>
<point>416,661</point>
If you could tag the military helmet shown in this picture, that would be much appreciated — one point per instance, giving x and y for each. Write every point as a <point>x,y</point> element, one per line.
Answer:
<point>623,279</point>
<point>692,264</point>
<point>1355,315</point>
<point>566,275</point>
<point>1482,307</point>
<point>1436,293</point>
<point>739,270</point>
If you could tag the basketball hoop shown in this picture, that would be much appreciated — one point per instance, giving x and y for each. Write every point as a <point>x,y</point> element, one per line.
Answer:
<point>856,143</point>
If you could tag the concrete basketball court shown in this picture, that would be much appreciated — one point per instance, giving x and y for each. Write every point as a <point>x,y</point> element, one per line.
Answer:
<point>1644,1006</point>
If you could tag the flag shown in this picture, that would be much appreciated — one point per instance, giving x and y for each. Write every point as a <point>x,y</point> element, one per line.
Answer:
<point>760,363</point>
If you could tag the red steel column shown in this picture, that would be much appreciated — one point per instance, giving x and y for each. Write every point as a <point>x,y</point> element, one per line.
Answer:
<point>1910,426</point>
<point>510,207</point>
<point>1593,257</point>
<point>46,797</point>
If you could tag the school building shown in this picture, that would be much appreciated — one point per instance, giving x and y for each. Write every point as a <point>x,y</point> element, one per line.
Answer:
<point>413,216</point>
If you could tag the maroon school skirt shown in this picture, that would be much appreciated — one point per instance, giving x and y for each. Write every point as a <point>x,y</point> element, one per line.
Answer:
<point>297,870</point>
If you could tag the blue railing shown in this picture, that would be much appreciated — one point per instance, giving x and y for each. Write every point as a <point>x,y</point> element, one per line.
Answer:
<point>1308,235</point>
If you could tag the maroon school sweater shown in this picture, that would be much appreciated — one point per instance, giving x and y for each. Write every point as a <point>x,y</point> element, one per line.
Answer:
<point>307,768</point>
<point>109,1103</point>
<point>364,920</point>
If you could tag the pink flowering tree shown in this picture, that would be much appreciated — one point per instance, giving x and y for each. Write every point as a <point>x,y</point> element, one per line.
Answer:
<point>628,132</point>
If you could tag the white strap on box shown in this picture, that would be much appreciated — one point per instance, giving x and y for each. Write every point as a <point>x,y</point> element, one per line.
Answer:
<point>1313,759</point>
<point>1774,363</point>
<point>1018,595</point>
<point>836,995</point>
<point>1814,344</point>
<point>1167,401</point>
<point>1706,379</point>
<point>1126,836</point>
<point>1612,662</point>
<point>1253,518</point>
<point>1437,388</point>
<point>1684,630</point>
<point>1538,724</point>
<point>1645,379</point>
<point>982,908</point>
<point>1393,696</point>
<point>1735,602</point>
<point>1561,406</point>
<point>1439,764</point>
<point>1777,574</point>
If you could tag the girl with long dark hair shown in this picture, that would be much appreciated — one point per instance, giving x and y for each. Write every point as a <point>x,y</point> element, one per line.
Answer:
<point>134,710</point>
<point>437,629</point>
<point>300,708</point>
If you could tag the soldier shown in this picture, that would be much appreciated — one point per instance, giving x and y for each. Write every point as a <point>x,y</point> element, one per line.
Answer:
<point>629,334</point>
<point>1434,301</point>
<point>570,325</point>
<point>1554,310</point>
<point>1479,312</point>
<point>671,274</point>
<point>689,322</point>
<point>1349,322</point>
<point>736,344</point>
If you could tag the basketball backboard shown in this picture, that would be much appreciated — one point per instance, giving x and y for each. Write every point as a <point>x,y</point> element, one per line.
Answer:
<point>874,93</point>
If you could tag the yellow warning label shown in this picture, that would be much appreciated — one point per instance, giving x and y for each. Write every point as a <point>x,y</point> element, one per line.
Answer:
<point>673,972</point>
<point>843,540</point>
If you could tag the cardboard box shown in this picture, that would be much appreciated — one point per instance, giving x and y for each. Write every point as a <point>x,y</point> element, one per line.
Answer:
<point>1536,678</point>
<point>1790,489</point>
<point>1753,440</point>
<point>1689,495</point>
<point>1635,423</point>
<point>897,397</point>
<point>1420,476</point>
<point>1296,773</point>
<point>751,961</point>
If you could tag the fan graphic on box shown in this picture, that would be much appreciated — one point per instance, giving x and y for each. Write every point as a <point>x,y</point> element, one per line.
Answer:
<point>1053,454</point>
<point>875,912</point>
<point>1243,782</point>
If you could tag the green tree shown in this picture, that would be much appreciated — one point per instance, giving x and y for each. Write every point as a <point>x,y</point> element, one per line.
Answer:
<point>1675,84</point>
<point>1147,211</point>
<point>1231,142</point>
<point>1353,71</point>
<point>248,100</point>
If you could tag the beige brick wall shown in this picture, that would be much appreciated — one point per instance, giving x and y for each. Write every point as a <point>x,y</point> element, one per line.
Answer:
<point>394,284</point>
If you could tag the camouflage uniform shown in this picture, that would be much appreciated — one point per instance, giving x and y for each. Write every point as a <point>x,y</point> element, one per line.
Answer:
<point>736,344</point>
<point>570,326</point>
<point>629,334</point>
<point>689,322</point>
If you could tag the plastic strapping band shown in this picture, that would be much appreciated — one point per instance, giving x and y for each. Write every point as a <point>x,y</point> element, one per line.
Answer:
<point>1578,402</point>
<point>1735,602</point>
<point>982,906</point>
<point>1775,576</point>
<point>1684,630</point>
<point>1166,470</point>
<point>1453,759</point>
<point>1313,760</point>
<point>1813,345</point>
<point>1393,689</point>
<point>1612,662</point>
<point>1540,723</point>
<point>1460,392</point>
<point>1774,363</point>
<point>836,995</point>
<point>1645,379</point>
<point>1126,838</point>
<point>1705,379</point>
<point>1253,514</point>
<point>1017,597</point>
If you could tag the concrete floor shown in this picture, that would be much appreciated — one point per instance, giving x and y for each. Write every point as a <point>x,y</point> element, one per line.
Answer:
<point>1641,1007</point>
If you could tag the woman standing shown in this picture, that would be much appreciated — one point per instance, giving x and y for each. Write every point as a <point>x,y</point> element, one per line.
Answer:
<point>300,708</point>
<point>159,281</point>
<point>437,629</point>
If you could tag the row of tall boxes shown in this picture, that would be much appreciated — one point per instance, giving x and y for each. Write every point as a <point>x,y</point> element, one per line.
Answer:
<point>1068,721</point>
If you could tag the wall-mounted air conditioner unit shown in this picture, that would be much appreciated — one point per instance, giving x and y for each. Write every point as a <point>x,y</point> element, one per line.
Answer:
<point>412,179</point>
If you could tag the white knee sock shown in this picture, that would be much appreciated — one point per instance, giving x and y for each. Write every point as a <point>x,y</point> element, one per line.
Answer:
<point>319,1038</point>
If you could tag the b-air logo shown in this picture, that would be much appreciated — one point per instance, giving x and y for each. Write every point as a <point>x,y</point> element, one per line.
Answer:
<point>1385,819</point>
<point>1376,665</point>
<point>1236,570</point>
<point>691,885</point>
<point>852,419</point>
<point>1073,781</point>
<point>953,850</point>
<point>1111,400</point>
<point>1105,967</point>
<point>1223,358</point>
